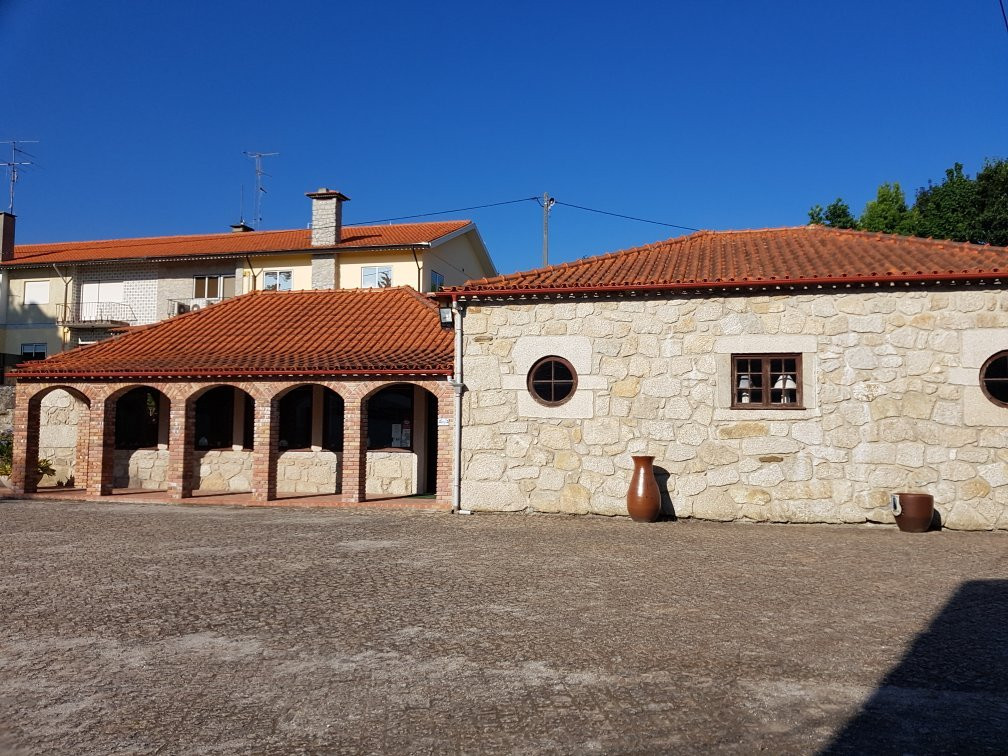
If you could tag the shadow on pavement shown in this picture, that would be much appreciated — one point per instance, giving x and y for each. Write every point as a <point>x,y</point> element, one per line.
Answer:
<point>949,694</point>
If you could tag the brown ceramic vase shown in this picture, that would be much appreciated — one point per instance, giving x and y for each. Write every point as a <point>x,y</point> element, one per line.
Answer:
<point>643,500</point>
<point>917,512</point>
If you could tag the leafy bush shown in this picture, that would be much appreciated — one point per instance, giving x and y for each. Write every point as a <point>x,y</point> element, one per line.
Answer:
<point>44,466</point>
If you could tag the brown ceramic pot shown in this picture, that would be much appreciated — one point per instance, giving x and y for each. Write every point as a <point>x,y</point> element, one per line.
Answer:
<point>916,512</point>
<point>643,500</point>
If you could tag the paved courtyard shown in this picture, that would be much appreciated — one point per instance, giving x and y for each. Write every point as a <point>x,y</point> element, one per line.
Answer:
<point>168,629</point>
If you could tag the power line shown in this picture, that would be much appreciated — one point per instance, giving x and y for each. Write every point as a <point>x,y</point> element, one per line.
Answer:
<point>446,212</point>
<point>1003,14</point>
<point>627,217</point>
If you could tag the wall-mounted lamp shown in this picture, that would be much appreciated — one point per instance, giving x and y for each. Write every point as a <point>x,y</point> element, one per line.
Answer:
<point>445,314</point>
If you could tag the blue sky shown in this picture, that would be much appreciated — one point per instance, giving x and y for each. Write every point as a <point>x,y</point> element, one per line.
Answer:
<point>710,115</point>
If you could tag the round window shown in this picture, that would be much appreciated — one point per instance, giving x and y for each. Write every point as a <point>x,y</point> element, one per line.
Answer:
<point>994,378</point>
<point>552,381</point>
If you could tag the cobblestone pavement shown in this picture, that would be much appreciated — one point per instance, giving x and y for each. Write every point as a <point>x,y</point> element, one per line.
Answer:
<point>169,629</point>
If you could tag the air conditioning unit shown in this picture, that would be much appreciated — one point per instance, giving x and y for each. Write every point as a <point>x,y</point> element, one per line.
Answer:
<point>180,308</point>
<point>199,304</point>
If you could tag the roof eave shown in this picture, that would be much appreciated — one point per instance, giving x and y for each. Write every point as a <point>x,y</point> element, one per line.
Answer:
<point>831,281</point>
<point>54,375</point>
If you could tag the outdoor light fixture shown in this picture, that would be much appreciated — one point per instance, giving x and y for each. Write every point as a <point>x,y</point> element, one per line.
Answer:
<point>445,313</point>
<point>788,388</point>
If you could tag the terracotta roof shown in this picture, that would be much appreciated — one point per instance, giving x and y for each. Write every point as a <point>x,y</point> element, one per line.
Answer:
<point>267,333</point>
<point>248,242</point>
<point>759,258</point>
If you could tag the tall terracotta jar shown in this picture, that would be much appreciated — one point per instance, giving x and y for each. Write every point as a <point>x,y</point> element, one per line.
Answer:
<point>643,500</point>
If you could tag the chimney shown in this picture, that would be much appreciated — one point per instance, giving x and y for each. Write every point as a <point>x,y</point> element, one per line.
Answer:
<point>326,217</point>
<point>6,236</point>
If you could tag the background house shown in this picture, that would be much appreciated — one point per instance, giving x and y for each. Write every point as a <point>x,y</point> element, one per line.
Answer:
<point>57,296</point>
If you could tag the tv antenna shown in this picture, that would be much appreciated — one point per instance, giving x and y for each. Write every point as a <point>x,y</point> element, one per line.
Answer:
<point>15,164</point>
<point>260,189</point>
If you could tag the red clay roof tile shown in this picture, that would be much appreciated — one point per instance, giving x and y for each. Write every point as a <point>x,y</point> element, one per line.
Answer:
<point>379,331</point>
<point>249,242</point>
<point>757,258</point>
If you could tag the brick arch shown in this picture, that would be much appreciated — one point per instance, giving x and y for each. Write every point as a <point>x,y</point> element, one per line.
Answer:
<point>27,432</point>
<point>364,391</point>
<point>101,477</point>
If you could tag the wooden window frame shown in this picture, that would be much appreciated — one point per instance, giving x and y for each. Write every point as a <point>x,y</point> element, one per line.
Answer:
<point>765,403</point>
<point>542,400</point>
<point>984,379</point>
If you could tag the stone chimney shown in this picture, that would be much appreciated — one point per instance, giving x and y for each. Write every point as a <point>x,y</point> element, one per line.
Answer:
<point>326,217</point>
<point>6,236</point>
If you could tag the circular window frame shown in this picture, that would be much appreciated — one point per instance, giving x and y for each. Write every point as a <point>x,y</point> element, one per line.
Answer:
<point>536,365</point>
<point>1003,354</point>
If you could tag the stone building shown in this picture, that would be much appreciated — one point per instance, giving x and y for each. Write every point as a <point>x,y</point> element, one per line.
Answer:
<point>337,392</point>
<point>786,375</point>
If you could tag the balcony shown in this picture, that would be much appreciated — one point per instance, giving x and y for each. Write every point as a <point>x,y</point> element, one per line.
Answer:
<point>190,304</point>
<point>95,315</point>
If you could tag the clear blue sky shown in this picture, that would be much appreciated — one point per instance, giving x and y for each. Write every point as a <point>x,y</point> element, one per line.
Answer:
<point>712,115</point>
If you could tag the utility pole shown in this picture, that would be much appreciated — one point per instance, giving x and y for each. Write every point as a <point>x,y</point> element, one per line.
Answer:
<point>547,204</point>
<point>14,164</point>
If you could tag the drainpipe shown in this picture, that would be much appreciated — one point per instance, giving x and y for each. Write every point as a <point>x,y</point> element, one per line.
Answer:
<point>419,278</point>
<point>459,387</point>
<point>64,331</point>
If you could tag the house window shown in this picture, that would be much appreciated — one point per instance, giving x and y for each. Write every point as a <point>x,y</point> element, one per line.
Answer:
<point>436,281</point>
<point>552,381</point>
<point>277,280</point>
<point>994,379</point>
<point>766,381</point>
<point>376,276</point>
<point>33,352</point>
<point>36,292</point>
<point>213,287</point>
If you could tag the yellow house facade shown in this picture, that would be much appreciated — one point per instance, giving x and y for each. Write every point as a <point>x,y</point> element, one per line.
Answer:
<point>62,295</point>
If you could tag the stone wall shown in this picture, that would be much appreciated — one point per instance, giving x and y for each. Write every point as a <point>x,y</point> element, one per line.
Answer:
<point>58,419</point>
<point>310,472</point>
<point>391,473</point>
<point>141,468</point>
<point>891,389</point>
<point>222,470</point>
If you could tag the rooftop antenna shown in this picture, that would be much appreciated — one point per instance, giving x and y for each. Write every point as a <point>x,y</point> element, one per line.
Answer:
<point>260,189</point>
<point>15,164</point>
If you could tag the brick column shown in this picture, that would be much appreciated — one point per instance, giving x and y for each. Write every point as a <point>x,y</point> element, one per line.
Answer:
<point>264,451</point>
<point>101,447</point>
<point>27,414</point>
<point>445,445</point>
<point>181,433</point>
<point>354,465</point>
<point>82,462</point>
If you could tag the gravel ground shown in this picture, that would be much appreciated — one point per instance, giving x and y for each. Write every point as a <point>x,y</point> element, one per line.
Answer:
<point>171,629</point>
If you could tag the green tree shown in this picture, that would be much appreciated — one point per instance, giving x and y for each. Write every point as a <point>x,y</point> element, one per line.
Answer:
<point>949,210</point>
<point>836,215</point>
<point>992,202</point>
<point>888,212</point>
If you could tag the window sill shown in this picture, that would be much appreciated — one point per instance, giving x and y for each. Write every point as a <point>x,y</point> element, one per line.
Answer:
<point>763,413</point>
